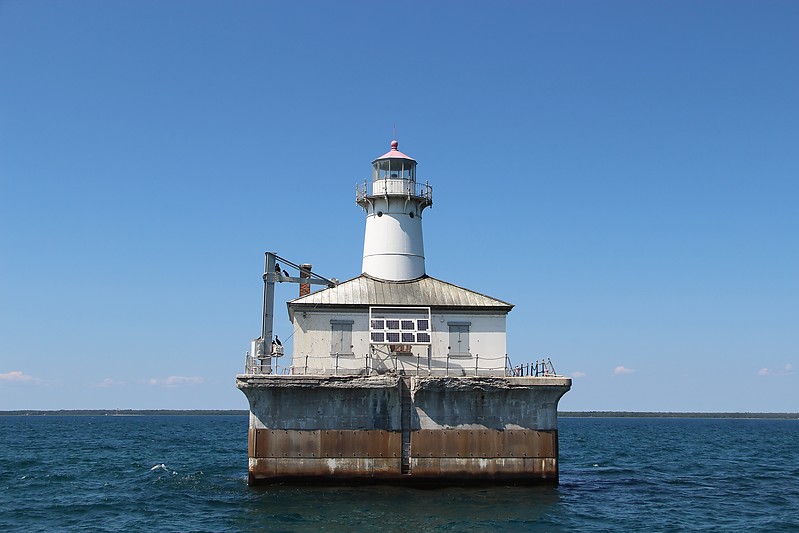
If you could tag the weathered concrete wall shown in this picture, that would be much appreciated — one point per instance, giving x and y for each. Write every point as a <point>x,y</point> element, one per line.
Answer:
<point>487,402</point>
<point>322,402</point>
<point>390,428</point>
<point>335,427</point>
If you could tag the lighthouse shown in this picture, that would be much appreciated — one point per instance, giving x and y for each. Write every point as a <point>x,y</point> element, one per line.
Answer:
<point>393,246</point>
<point>395,375</point>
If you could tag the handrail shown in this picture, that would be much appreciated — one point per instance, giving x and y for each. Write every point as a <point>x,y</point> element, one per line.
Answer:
<point>393,186</point>
<point>452,366</point>
<point>539,368</point>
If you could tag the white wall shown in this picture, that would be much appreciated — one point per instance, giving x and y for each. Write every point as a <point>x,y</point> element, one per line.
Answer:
<point>313,341</point>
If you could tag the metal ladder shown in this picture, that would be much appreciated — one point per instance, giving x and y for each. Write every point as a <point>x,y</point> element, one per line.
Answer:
<point>405,422</point>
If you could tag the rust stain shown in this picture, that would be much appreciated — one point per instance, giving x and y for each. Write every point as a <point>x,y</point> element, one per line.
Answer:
<point>483,443</point>
<point>266,468</point>
<point>324,443</point>
<point>469,454</point>
<point>502,468</point>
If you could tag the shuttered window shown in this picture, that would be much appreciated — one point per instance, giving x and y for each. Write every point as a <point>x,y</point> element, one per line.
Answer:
<point>459,338</point>
<point>341,337</point>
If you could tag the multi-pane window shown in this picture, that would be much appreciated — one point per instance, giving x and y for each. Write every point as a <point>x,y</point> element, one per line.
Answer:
<point>423,327</point>
<point>399,325</point>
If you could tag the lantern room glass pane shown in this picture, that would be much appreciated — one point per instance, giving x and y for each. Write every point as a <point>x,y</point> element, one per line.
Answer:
<point>394,169</point>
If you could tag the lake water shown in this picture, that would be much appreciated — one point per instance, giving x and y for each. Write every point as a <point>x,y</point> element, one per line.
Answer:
<point>188,473</point>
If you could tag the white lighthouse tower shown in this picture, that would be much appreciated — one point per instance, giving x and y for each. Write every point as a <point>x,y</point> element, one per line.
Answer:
<point>393,247</point>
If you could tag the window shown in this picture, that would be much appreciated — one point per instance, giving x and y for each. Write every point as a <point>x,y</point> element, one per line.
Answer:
<point>399,325</point>
<point>341,337</point>
<point>459,338</point>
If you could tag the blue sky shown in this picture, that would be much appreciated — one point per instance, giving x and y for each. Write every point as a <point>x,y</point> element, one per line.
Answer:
<point>625,173</point>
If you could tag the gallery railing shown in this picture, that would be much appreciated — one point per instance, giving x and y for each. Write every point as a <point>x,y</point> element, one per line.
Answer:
<point>345,364</point>
<point>393,186</point>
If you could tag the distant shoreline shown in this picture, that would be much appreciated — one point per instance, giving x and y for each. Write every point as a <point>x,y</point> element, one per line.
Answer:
<point>242,412</point>
<point>124,412</point>
<point>655,414</point>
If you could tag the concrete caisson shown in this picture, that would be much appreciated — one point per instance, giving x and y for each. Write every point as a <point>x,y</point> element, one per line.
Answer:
<point>457,429</point>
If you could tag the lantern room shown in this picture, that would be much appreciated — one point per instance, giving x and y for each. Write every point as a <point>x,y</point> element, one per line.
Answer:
<point>394,165</point>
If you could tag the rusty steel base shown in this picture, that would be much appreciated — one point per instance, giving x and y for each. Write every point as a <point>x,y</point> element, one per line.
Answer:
<point>390,429</point>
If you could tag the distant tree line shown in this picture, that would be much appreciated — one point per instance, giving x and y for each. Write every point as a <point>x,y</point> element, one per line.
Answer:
<point>241,412</point>
<point>125,412</point>
<point>661,414</point>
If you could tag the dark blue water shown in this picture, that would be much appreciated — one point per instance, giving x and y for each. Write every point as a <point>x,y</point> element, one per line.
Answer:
<point>188,473</point>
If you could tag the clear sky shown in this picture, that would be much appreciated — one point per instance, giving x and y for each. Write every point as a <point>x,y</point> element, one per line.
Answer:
<point>624,172</point>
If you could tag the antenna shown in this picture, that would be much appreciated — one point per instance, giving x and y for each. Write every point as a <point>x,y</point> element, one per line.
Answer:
<point>395,132</point>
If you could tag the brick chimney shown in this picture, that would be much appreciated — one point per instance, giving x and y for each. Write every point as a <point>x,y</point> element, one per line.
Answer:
<point>305,272</point>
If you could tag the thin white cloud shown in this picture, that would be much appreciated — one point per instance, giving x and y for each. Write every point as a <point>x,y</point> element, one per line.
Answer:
<point>620,370</point>
<point>107,383</point>
<point>15,376</point>
<point>787,370</point>
<point>578,374</point>
<point>176,381</point>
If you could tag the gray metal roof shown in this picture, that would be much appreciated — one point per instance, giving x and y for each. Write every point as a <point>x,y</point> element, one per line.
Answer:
<point>425,291</point>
